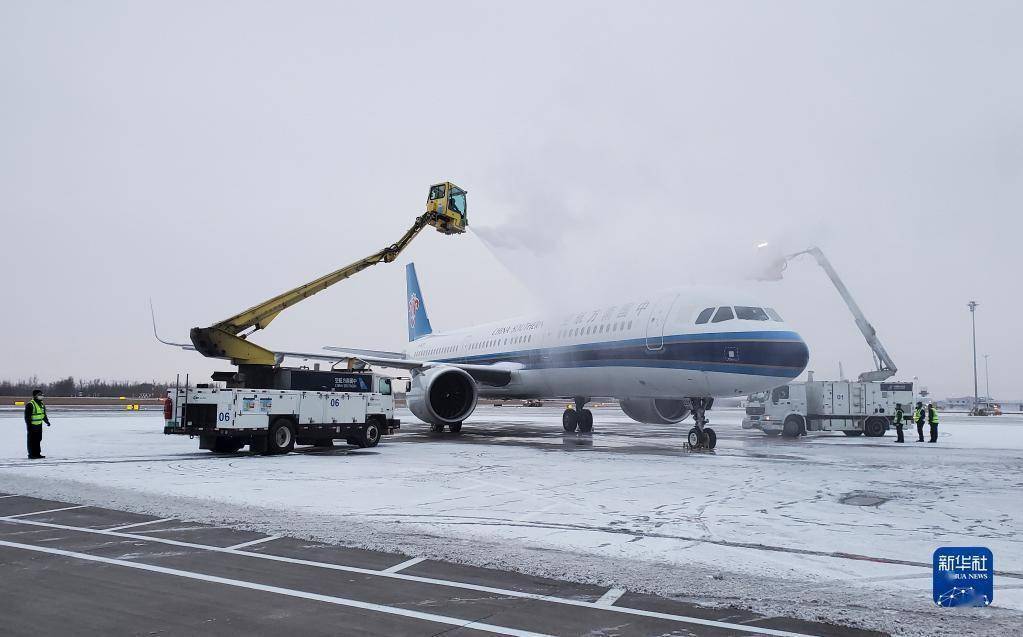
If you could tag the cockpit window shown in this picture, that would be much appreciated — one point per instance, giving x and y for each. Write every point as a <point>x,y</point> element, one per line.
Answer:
<point>704,316</point>
<point>723,314</point>
<point>750,313</point>
<point>773,314</point>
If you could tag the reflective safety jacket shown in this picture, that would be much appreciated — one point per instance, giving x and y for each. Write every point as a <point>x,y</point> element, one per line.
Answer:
<point>917,416</point>
<point>932,416</point>
<point>38,412</point>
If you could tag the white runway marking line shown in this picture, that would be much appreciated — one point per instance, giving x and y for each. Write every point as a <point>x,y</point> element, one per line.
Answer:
<point>610,597</point>
<point>22,515</point>
<point>15,495</point>
<point>289,592</point>
<point>404,565</point>
<point>756,630</point>
<point>132,526</point>
<point>254,542</point>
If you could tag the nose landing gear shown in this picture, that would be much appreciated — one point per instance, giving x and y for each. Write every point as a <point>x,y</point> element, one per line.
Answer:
<point>701,436</point>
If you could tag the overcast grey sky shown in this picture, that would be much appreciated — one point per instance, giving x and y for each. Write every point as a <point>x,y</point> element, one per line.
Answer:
<point>212,154</point>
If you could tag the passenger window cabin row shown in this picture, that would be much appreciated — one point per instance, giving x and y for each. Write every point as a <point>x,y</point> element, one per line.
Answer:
<point>603,328</point>
<point>741,312</point>
<point>497,342</point>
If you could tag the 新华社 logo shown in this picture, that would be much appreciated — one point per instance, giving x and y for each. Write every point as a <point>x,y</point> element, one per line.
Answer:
<point>413,309</point>
<point>963,576</point>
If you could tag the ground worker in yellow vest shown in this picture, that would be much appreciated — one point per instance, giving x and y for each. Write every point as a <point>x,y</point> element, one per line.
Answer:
<point>35,416</point>
<point>898,419</point>
<point>932,420</point>
<point>918,418</point>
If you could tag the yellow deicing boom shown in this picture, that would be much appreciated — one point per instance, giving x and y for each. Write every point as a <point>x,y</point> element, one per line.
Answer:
<point>445,211</point>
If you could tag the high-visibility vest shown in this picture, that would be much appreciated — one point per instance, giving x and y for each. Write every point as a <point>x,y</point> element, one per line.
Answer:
<point>38,412</point>
<point>916,415</point>
<point>932,416</point>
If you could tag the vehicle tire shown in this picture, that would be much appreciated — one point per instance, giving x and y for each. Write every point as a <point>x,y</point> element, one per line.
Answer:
<point>712,437</point>
<point>570,420</point>
<point>793,427</point>
<point>694,438</point>
<point>281,437</point>
<point>772,432</point>
<point>852,434</point>
<point>874,427</point>
<point>585,421</point>
<point>455,427</point>
<point>227,445</point>
<point>370,435</point>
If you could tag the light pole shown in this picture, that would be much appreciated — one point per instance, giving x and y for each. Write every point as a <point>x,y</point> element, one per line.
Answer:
<point>973,318</point>
<point>987,379</point>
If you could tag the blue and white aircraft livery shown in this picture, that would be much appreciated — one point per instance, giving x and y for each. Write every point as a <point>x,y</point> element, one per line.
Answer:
<point>663,356</point>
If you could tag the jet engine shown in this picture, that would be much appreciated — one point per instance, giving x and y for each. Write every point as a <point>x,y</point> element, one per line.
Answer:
<point>442,395</point>
<point>656,411</point>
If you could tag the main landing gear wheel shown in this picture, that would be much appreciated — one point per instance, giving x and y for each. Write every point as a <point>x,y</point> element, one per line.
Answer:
<point>437,428</point>
<point>455,427</point>
<point>712,438</point>
<point>695,438</point>
<point>570,420</point>
<point>585,421</point>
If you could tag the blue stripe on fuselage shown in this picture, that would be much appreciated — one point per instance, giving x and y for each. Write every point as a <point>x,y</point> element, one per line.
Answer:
<point>761,353</point>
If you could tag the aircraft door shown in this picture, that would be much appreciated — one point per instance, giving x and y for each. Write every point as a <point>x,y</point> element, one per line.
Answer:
<point>659,314</point>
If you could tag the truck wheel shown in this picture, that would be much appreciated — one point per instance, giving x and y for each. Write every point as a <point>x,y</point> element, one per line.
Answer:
<point>793,427</point>
<point>280,437</point>
<point>455,427</point>
<point>874,427</point>
<point>853,433</point>
<point>227,445</point>
<point>370,435</point>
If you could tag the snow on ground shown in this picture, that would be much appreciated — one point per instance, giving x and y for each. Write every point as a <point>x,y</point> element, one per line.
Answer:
<point>825,527</point>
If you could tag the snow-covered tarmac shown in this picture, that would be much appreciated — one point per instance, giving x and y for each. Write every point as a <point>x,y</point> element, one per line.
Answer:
<point>825,527</point>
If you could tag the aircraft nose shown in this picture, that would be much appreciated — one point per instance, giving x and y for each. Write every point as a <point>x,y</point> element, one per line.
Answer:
<point>800,355</point>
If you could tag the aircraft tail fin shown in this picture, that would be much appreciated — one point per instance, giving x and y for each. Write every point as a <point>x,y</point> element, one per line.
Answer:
<point>418,321</point>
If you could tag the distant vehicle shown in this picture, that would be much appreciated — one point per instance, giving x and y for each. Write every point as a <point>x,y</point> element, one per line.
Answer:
<point>854,408</point>
<point>308,408</point>
<point>532,402</point>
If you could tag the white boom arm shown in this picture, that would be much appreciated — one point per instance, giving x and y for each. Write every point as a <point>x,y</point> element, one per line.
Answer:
<point>885,365</point>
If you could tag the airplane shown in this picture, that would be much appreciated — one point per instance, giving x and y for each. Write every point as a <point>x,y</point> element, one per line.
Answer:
<point>663,356</point>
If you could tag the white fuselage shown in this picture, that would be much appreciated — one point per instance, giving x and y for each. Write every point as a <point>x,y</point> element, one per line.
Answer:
<point>652,347</point>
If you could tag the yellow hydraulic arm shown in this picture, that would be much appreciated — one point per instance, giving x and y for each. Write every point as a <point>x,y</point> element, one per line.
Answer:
<point>445,210</point>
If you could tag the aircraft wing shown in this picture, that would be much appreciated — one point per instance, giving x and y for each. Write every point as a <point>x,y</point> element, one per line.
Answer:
<point>487,374</point>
